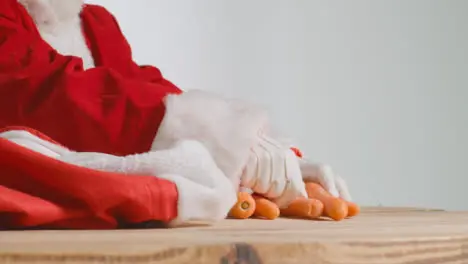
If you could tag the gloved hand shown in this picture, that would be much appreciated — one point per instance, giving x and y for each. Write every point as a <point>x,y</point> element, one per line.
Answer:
<point>273,170</point>
<point>323,175</point>
<point>326,177</point>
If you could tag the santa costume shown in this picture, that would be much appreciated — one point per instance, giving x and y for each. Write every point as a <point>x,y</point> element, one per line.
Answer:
<point>90,139</point>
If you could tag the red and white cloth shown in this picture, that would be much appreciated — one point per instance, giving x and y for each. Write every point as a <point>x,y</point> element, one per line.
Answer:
<point>47,185</point>
<point>38,190</point>
<point>137,148</point>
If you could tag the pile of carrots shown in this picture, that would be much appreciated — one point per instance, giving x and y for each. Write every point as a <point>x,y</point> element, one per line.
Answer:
<point>318,204</point>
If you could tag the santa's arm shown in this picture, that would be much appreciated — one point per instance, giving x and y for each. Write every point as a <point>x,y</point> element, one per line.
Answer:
<point>238,137</point>
<point>201,192</point>
<point>234,133</point>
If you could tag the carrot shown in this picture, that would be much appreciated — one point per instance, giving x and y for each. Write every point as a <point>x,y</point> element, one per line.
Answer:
<point>353,209</point>
<point>245,206</point>
<point>304,208</point>
<point>265,208</point>
<point>334,207</point>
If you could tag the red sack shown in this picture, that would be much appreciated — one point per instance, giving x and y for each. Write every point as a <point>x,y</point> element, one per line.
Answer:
<point>37,191</point>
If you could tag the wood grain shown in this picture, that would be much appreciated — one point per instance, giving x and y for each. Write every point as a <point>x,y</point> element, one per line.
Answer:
<point>377,236</point>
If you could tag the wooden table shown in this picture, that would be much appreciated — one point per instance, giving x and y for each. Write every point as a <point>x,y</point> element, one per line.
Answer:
<point>378,235</point>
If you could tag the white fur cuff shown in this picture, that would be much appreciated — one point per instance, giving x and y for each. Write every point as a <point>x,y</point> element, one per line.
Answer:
<point>227,128</point>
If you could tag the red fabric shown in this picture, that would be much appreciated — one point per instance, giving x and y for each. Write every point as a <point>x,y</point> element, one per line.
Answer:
<point>297,152</point>
<point>114,108</point>
<point>38,191</point>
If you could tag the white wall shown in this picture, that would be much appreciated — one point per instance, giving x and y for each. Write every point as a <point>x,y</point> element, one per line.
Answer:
<point>377,88</point>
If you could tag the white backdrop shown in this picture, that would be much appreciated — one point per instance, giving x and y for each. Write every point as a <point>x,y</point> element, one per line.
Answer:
<point>376,88</point>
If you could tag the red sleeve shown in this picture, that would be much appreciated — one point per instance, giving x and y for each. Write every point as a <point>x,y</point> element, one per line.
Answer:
<point>103,29</point>
<point>86,110</point>
<point>38,191</point>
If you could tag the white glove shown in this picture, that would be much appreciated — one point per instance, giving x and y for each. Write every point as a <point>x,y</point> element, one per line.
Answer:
<point>273,171</point>
<point>326,177</point>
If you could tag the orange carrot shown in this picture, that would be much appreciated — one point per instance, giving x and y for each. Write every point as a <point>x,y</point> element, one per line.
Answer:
<point>304,208</point>
<point>353,209</point>
<point>265,208</point>
<point>245,206</point>
<point>334,207</point>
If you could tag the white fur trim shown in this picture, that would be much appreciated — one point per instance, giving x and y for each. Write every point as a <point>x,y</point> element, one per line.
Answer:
<point>204,191</point>
<point>199,203</point>
<point>32,142</point>
<point>59,24</point>
<point>227,128</point>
